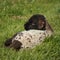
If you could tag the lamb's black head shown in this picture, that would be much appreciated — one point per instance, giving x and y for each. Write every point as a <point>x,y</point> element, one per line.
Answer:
<point>36,22</point>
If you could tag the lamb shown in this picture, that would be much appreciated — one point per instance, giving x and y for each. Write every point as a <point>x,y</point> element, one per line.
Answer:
<point>36,30</point>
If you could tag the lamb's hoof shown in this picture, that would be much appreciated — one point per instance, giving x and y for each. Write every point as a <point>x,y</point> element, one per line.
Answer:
<point>8,42</point>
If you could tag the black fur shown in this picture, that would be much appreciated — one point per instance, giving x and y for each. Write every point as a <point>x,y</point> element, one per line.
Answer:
<point>16,45</point>
<point>8,42</point>
<point>36,22</point>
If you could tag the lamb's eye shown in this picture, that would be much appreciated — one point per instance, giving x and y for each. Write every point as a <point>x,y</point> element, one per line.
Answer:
<point>33,24</point>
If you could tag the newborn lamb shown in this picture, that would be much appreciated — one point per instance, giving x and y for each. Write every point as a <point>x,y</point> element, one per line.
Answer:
<point>37,29</point>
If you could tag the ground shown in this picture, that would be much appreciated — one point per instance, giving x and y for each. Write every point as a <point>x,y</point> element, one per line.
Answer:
<point>13,15</point>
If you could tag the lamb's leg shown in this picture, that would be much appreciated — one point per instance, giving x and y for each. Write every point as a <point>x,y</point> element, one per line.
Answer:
<point>16,45</point>
<point>8,42</point>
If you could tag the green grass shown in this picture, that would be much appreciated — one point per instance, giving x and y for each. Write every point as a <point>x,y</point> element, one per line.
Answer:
<point>13,15</point>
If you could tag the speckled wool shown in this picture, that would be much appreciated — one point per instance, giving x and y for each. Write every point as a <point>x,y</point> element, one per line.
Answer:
<point>30,38</point>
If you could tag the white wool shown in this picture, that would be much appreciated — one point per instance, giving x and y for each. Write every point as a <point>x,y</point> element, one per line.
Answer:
<point>30,38</point>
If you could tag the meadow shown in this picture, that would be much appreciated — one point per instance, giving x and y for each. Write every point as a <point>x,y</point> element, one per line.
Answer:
<point>13,15</point>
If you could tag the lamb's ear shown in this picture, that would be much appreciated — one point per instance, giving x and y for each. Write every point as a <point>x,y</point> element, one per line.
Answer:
<point>16,45</point>
<point>42,24</point>
<point>26,26</point>
<point>48,27</point>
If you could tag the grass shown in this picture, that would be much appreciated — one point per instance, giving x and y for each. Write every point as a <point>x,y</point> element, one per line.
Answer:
<point>13,15</point>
